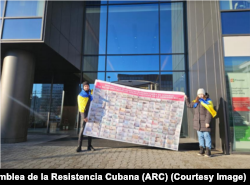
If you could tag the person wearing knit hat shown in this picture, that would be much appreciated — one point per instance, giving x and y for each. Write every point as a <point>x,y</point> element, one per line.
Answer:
<point>201,91</point>
<point>203,114</point>
<point>84,99</point>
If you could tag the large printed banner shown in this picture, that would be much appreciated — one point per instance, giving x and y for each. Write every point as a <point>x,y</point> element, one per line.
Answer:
<point>133,115</point>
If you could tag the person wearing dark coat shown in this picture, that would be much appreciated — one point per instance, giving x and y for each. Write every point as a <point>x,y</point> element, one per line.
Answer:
<point>84,99</point>
<point>203,114</point>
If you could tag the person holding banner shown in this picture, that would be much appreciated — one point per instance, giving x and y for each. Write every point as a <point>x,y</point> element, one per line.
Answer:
<point>203,114</point>
<point>84,99</point>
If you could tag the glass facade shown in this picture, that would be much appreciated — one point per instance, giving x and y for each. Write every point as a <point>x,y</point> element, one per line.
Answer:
<point>42,107</point>
<point>22,20</point>
<point>234,5</point>
<point>138,44</point>
<point>237,70</point>
<point>235,22</point>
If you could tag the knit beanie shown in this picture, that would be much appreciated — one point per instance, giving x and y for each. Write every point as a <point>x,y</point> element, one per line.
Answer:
<point>201,91</point>
<point>85,83</point>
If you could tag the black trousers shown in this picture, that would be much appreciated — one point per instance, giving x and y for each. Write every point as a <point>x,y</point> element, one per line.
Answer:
<point>80,137</point>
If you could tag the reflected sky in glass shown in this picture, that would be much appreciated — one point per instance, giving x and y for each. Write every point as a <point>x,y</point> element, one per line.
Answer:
<point>234,5</point>
<point>1,8</point>
<point>148,76</point>
<point>24,8</point>
<point>95,30</point>
<point>172,62</point>
<point>133,29</point>
<point>133,63</point>
<point>171,28</point>
<point>237,64</point>
<point>22,29</point>
<point>94,63</point>
<point>235,22</point>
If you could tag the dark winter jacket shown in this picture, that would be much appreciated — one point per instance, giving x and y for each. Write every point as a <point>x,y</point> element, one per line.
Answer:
<point>201,116</point>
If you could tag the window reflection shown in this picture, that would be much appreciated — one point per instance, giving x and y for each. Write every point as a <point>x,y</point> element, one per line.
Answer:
<point>234,5</point>
<point>95,30</point>
<point>126,2</point>
<point>133,29</point>
<point>22,29</point>
<point>96,2</point>
<point>94,63</point>
<point>24,8</point>
<point>173,81</point>
<point>172,62</point>
<point>237,71</point>
<point>1,8</point>
<point>144,80</point>
<point>133,63</point>
<point>171,28</point>
<point>235,22</point>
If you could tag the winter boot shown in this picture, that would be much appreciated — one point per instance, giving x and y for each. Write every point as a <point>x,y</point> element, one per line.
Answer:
<point>208,152</point>
<point>79,149</point>
<point>90,147</point>
<point>202,151</point>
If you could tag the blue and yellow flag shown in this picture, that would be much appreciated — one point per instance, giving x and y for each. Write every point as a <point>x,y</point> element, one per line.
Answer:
<point>83,99</point>
<point>208,104</point>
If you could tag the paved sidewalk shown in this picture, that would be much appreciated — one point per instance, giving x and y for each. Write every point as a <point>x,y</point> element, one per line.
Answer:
<point>59,152</point>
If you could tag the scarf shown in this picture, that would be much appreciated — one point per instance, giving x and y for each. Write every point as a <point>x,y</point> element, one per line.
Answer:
<point>208,104</point>
<point>85,94</point>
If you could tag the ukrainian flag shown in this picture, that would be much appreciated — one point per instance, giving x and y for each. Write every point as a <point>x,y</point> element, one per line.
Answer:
<point>208,104</point>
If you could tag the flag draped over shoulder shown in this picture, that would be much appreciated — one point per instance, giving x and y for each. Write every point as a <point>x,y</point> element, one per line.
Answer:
<point>83,98</point>
<point>208,104</point>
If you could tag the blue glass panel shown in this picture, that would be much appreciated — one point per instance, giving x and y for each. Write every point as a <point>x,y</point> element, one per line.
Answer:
<point>171,28</point>
<point>95,30</point>
<point>22,29</point>
<point>1,8</point>
<point>96,2</point>
<point>24,8</point>
<point>235,22</point>
<point>124,2</point>
<point>234,5</point>
<point>133,63</point>
<point>133,29</point>
<point>172,62</point>
<point>94,63</point>
<point>173,81</point>
<point>169,0</point>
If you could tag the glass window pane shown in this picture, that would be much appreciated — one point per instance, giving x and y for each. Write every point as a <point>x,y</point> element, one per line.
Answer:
<point>237,71</point>
<point>96,2</point>
<point>173,81</point>
<point>22,29</point>
<point>95,30</point>
<point>135,79</point>
<point>169,0</point>
<point>133,63</point>
<point>235,22</point>
<point>171,28</point>
<point>133,29</point>
<point>126,2</point>
<point>1,8</point>
<point>94,63</point>
<point>234,5</point>
<point>0,23</point>
<point>24,8</point>
<point>172,62</point>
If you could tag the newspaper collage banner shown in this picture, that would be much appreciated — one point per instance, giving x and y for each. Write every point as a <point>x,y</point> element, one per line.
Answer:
<point>132,115</point>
